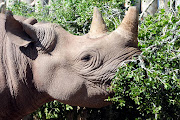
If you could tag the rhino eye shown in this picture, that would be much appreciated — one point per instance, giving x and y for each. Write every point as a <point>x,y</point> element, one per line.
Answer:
<point>86,58</point>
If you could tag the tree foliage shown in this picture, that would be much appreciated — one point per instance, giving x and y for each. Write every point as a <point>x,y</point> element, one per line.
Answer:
<point>152,81</point>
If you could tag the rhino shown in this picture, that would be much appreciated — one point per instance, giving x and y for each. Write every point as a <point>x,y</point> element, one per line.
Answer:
<point>42,62</point>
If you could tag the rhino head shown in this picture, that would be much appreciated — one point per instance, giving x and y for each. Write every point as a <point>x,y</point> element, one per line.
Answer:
<point>75,70</point>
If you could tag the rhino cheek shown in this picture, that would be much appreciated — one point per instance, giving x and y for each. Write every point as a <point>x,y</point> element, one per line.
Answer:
<point>66,86</point>
<point>80,93</point>
<point>52,78</point>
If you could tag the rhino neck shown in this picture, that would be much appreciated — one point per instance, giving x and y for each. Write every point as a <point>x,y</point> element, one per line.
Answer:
<point>19,95</point>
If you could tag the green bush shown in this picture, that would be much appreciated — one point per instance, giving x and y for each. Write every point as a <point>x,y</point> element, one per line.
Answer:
<point>73,15</point>
<point>147,87</point>
<point>151,83</point>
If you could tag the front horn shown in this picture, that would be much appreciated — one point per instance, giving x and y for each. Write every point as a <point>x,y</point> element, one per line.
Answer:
<point>130,22</point>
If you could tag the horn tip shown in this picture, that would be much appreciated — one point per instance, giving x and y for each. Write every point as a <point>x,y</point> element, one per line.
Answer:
<point>95,8</point>
<point>132,14</point>
<point>130,21</point>
<point>96,11</point>
<point>133,9</point>
<point>98,26</point>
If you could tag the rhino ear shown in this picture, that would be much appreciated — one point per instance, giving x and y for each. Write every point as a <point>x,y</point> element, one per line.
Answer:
<point>15,30</point>
<point>30,21</point>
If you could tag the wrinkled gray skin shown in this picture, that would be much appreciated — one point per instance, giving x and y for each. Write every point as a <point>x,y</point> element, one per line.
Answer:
<point>41,62</point>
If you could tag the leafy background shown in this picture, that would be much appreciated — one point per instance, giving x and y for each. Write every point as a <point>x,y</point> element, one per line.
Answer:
<point>146,87</point>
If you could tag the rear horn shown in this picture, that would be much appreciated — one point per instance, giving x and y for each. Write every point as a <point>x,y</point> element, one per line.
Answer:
<point>98,26</point>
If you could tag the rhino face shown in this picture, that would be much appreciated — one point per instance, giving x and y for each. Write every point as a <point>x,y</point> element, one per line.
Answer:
<point>77,70</point>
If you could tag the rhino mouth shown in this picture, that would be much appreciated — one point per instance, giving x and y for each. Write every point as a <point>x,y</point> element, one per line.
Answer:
<point>105,81</point>
<point>101,78</point>
<point>103,86</point>
<point>102,91</point>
